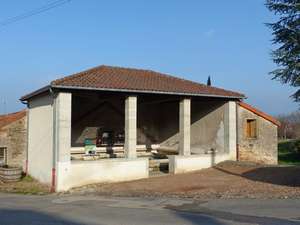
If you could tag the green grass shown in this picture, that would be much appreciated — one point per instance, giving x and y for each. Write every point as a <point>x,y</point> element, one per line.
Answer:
<point>27,179</point>
<point>287,154</point>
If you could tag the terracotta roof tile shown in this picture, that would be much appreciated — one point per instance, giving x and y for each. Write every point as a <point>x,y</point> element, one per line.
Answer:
<point>259,113</point>
<point>118,78</point>
<point>10,118</point>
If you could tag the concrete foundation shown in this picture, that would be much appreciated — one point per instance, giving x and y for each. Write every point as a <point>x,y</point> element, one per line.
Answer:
<point>183,164</point>
<point>110,170</point>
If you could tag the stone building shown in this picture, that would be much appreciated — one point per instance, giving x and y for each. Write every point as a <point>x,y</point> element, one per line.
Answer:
<point>257,135</point>
<point>13,139</point>
<point>111,124</point>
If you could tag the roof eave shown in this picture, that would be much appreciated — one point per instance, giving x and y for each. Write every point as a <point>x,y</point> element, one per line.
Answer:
<point>146,91</point>
<point>37,92</point>
<point>260,113</point>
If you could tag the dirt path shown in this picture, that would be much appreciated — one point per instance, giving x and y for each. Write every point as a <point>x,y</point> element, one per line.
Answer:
<point>227,180</point>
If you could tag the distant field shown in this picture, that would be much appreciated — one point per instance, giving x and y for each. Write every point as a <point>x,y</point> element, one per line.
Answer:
<point>287,153</point>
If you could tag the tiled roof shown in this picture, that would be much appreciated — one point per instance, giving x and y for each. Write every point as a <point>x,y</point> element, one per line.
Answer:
<point>10,118</point>
<point>118,78</point>
<point>109,78</point>
<point>259,113</point>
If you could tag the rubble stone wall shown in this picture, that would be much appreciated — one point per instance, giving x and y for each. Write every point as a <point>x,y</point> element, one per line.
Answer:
<point>14,137</point>
<point>263,148</point>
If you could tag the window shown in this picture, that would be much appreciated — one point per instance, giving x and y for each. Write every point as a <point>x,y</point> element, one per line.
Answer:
<point>2,156</point>
<point>251,128</point>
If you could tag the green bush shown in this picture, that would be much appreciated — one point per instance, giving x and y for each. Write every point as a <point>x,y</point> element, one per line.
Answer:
<point>297,146</point>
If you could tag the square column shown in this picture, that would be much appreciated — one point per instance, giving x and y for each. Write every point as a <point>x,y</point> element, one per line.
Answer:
<point>130,126</point>
<point>230,129</point>
<point>63,111</point>
<point>185,127</point>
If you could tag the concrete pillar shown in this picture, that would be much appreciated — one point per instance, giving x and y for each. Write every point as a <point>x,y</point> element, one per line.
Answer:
<point>185,127</point>
<point>62,134</point>
<point>130,126</point>
<point>230,129</point>
<point>63,107</point>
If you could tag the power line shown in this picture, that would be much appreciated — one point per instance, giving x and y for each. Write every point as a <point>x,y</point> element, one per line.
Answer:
<point>33,12</point>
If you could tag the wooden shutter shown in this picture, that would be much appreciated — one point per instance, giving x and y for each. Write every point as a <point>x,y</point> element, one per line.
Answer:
<point>251,128</point>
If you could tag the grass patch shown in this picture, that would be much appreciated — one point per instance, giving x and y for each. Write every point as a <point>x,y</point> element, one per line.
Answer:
<point>287,154</point>
<point>27,185</point>
<point>27,179</point>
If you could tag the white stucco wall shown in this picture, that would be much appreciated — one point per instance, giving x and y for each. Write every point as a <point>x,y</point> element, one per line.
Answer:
<point>40,138</point>
<point>109,170</point>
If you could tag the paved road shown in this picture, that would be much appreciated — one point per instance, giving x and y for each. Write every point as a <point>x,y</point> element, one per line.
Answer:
<point>95,210</point>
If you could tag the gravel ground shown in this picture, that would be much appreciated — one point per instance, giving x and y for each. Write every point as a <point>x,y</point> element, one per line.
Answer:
<point>226,180</point>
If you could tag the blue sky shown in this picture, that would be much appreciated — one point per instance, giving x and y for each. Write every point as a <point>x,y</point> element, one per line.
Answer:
<point>191,39</point>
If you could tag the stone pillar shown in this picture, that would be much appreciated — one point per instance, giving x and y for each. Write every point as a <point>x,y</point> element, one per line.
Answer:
<point>130,126</point>
<point>185,127</point>
<point>230,129</point>
<point>62,134</point>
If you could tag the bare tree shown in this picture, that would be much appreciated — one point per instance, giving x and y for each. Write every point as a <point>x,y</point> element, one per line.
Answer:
<point>290,126</point>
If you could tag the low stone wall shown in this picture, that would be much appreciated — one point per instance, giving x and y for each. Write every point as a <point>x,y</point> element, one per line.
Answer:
<point>251,153</point>
<point>79,173</point>
<point>183,164</point>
